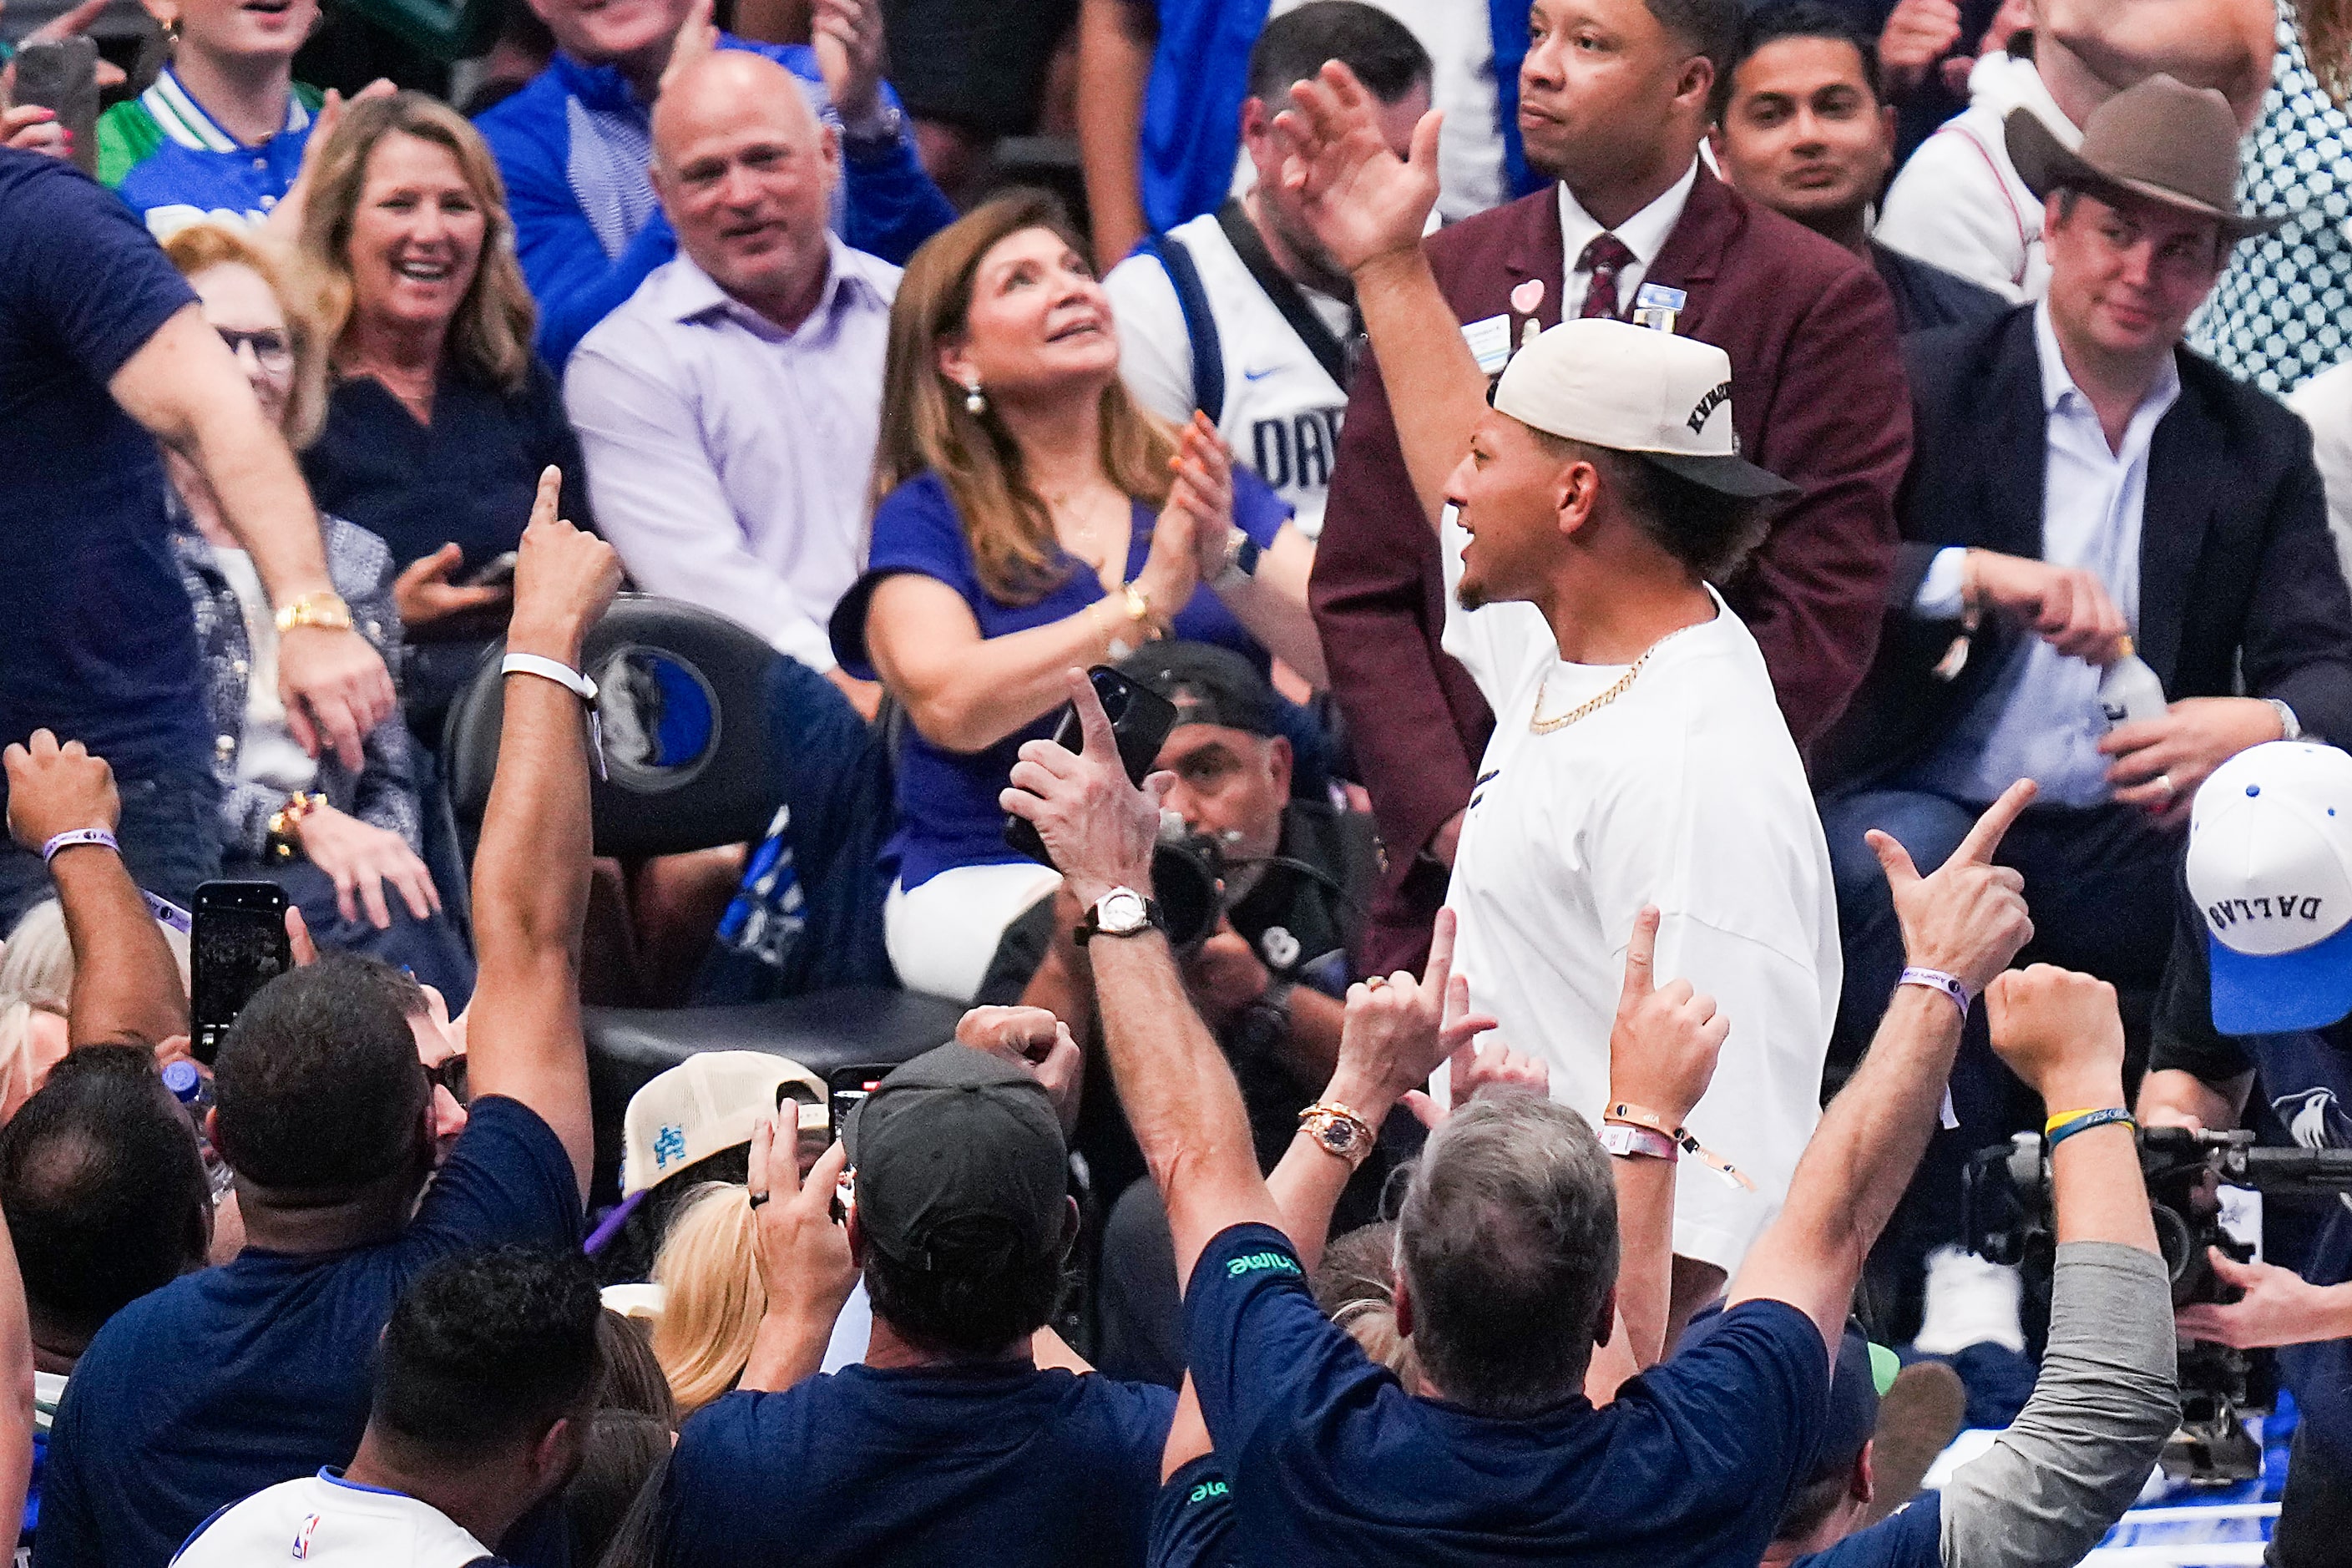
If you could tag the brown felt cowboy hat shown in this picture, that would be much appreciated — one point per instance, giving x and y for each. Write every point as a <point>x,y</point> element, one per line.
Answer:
<point>2158,139</point>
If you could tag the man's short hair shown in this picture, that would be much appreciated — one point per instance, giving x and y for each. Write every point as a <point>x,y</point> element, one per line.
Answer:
<point>1795,19</point>
<point>1507,1241</point>
<point>980,1295</point>
<point>486,1348</point>
<point>104,1188</point>
<point>1710,532</point>
<point>1382,52</point>
<point>1710,27</point>
<point>318,1084</point>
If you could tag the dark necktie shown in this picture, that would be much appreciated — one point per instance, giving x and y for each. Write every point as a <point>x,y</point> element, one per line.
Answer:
<point>1604,257</point>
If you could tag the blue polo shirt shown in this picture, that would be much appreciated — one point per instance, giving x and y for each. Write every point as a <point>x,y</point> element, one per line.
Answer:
<point>1330,1461</point>
<point>999,1464</point>
<point>235,1378</point>
<point>97,638</point>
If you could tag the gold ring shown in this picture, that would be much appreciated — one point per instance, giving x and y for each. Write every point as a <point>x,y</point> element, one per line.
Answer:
<point>1376,981</point>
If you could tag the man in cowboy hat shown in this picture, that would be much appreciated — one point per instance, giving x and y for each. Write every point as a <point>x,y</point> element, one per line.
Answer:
<point>2086,493</point>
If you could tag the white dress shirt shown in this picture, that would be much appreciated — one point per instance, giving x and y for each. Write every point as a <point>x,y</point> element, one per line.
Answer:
<point>2042,720</point>
<point>1645,234</point>
<point>729,460</point>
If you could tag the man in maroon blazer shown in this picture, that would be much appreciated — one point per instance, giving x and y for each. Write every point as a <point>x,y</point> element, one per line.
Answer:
<point>1613,99</point>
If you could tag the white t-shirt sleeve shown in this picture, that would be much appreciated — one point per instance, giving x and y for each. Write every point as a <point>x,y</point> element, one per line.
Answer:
<point>2325,404</point>
<point>1951,208</point>
<point>1501,644</point>
<point>1155,349</point>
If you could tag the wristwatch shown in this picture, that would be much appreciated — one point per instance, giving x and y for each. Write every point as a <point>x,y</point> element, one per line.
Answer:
<point>1242,554</point>
<point>1337,1131</point>
<point>2290,727</point>
<point>879,132</point>
<point>1122,911</point>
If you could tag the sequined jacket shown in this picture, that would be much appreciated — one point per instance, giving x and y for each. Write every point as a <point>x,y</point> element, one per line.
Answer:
<point>383,792</point>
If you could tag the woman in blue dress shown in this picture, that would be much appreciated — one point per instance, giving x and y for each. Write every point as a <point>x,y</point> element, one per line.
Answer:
<point>1031,516</point>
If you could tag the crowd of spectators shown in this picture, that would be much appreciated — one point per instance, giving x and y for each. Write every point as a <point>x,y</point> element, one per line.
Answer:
<point>1738,604</point>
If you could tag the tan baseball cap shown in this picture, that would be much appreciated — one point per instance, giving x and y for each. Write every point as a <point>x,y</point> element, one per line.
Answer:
<point>709,1102</point>
<point>1635,389</point>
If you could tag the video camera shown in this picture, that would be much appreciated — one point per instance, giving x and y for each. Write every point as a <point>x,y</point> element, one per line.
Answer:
<point>2009,1218</point>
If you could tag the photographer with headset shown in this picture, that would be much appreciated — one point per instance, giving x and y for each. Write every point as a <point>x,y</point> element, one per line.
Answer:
<point>2258,991</point>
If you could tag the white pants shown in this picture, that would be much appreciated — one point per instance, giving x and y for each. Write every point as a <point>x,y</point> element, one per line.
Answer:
<point>942,935</point>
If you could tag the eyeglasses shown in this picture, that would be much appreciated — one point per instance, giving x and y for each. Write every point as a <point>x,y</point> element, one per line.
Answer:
<point>270,350</point>
<point>449,1073</point>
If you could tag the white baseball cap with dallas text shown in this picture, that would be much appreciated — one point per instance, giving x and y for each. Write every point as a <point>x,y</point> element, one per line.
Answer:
<point>2270,865</point>
<point>1635,389</point>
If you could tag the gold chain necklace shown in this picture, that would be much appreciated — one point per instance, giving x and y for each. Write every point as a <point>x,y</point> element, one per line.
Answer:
<point>1623,684</point>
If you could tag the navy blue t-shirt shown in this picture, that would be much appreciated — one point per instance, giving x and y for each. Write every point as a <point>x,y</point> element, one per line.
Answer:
<point>948,813</point>
<point>1193,1521</point>
<point>97,638</point>
<point>1331,1460</point>
<point>237,1378</point>
<point>1004,1464</point>
<point>1910,1538</point>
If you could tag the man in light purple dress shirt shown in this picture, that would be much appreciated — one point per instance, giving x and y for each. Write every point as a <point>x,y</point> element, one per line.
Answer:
<point>729,411</point>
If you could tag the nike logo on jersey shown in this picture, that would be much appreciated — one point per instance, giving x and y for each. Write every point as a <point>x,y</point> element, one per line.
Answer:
<point>1260,375</point>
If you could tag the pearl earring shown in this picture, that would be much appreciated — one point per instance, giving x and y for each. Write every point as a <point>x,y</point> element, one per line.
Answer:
<point>974,403</point>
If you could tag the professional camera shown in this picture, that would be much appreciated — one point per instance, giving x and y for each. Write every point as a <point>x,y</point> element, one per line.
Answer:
<point>2009,1220</point>
<point>1188,875</point>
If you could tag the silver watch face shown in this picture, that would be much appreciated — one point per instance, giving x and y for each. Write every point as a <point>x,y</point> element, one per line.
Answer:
<point>1121,910</point>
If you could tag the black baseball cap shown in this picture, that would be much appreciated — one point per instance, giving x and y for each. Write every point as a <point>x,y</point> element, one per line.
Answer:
<point>960,1163</point>
<point>1208,684</point>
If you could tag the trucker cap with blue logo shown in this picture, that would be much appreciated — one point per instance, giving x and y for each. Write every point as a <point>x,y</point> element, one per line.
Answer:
<point>2270,865</point>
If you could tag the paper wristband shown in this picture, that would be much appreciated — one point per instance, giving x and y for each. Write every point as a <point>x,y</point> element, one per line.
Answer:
<point>1635,1116</point>
<point>72,836</point>
<point>1936,980</point>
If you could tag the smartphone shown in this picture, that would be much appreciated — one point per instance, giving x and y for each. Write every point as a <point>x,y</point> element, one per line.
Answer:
<point>496,572</point>
<point>239,945</point>
<point>846,1086</point>
<point>61,74</point>
<point>1139,720</point>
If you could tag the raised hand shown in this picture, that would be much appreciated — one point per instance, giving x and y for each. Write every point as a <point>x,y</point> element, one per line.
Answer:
<point>54,789</point>
<point>1967,920</point>
<point>284,220</point>
<point>1664,1040</point>
<point>847,36</point>
<point>1917,34</point>
<point>804,1255</point>
<point>1397,1029</point>
<point>2060,1032</point>
<point>1359,200</point>
<point>564,579</point>
<point>1099,829</point>
<point>1031,1039</point>
<point>696,35</point>
<point>1484,1067</point>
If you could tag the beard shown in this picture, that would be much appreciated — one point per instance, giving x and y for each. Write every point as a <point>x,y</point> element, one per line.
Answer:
<point>1472,595</point>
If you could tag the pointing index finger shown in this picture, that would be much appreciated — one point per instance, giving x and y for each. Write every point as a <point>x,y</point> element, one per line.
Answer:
<point>545,505</point>
<point>1986,836</point>
<point>1641,953</point>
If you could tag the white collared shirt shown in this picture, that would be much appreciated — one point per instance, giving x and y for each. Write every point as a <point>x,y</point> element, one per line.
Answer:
<point>729,459</point>
<point>1643,233</point>
<point>2041,719</point>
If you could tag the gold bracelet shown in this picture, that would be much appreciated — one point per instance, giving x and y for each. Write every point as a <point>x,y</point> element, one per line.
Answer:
<point>324,609</point>
<point>286,821</point>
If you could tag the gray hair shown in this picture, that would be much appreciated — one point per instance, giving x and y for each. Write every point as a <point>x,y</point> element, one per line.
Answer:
<point>1508,1244</point>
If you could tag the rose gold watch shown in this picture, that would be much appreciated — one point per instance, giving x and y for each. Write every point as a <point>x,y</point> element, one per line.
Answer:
<point>1338,1131</point>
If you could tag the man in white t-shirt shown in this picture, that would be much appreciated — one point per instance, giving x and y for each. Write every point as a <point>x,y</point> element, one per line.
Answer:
<point>1639,757</point>
<point>1264,343</point>
<point>485,1380</point>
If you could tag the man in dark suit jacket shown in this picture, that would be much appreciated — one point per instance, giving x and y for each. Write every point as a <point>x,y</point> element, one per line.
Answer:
<point>1613,101</point>
<point>2087,491</point>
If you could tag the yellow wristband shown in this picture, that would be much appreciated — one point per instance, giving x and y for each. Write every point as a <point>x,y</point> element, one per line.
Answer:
<point>2063,1116</point>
